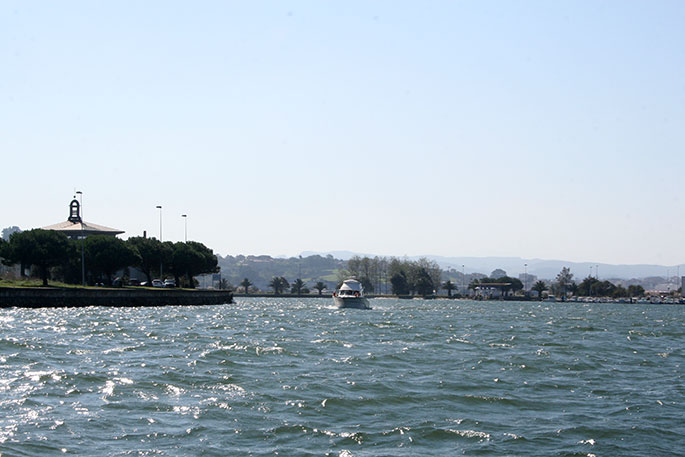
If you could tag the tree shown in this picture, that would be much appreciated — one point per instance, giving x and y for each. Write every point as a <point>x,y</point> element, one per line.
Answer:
<point>278,284</point>
<point>449,287</point>
<point>636,291</point>
<point>42,248</point>
<point>564,279</point>
<point>320,286</point>
<point>8,231</point>
<point>192,259</point>
<point>603,289</point>
<point>105,255</point>
<point>539,287</point>
<point>620,292</point>
<point>585,288</point>
<point>153,254</point>
<point>363,269</point>
<point>498,273</point>
<point>245,283</point>
<point>400,285</point>
<point>298,287</point>
<point>514,284</point>
<point>423,282</point>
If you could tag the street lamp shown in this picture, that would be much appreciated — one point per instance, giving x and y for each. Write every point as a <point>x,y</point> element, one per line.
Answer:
<point>525,277</point>
<point>161,261</point>
<point>83,255</point>
<point>185,228</point>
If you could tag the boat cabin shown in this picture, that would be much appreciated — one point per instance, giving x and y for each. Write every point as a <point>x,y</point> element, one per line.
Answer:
<point>351,288</point>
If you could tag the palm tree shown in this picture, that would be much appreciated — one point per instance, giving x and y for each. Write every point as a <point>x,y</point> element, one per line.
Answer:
<point>276,285</point>
<point>539,287</point>
<point>320,286</point>
<point>246,284</point>
<point>449,286</point>
<point>297,286</point>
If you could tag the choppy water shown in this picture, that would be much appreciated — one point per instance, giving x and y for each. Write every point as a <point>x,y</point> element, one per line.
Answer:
<point>297,377</point>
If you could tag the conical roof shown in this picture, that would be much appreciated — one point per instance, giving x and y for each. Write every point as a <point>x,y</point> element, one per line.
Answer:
<point>76,227</point>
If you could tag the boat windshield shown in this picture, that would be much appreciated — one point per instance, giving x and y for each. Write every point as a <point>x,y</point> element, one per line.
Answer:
<point>348,292</point>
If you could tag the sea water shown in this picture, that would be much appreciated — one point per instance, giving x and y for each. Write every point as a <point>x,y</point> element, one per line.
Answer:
<point>297,377</point>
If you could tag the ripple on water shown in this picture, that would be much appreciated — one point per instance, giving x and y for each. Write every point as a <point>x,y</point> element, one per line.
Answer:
<point>300,377</point>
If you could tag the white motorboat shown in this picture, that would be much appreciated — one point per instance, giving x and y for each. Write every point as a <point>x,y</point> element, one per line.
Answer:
<point>351,295</point>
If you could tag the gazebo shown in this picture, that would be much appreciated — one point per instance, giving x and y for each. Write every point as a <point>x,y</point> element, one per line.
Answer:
<point>76,228</point>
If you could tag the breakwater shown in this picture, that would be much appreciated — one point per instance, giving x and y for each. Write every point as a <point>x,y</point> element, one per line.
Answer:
<point>59,297</point>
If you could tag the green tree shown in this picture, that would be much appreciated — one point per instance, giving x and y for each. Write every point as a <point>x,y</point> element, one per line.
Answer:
<point>539,287</point>
<point>514,284</point>
<point>400,285</point>
<point>449,287</point>
<point>192,259</point>
<point>320,286</point>
<point>620,292</point>
<point>298,287</point>
<point>603,289</point>
<point>585,288</point>
<point>105,255</point>
<point>564,280</point>
<point>43,248</point>
<point>153,254</point>
<point>636,291</point>
<point>278,284</point>
<point>245,283</point>
<point>423,283</point>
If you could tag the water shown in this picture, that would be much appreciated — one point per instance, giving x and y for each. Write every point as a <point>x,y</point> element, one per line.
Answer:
<point>297,377</point>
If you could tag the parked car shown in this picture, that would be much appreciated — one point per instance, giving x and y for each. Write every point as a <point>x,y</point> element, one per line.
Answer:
<point>157,283</point>
<point>169,283</point>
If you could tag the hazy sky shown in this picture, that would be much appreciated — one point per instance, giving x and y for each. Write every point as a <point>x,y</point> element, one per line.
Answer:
<point>505,128</point>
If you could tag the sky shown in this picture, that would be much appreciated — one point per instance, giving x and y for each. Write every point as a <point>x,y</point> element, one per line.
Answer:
<point>538,129</point>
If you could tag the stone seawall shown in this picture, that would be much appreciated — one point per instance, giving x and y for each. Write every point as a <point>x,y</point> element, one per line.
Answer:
<point>49,297</point>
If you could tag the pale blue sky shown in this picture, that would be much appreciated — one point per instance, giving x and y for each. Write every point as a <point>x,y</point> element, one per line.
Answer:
<point>534,129</point>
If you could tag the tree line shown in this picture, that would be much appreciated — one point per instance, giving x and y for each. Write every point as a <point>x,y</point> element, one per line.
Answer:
<point>564,284</point>
<point>280,284</point>
<point>100,257</point>
<point>400,276</point>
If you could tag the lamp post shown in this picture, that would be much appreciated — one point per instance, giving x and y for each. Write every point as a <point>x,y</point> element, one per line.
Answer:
<point>185,227</point>
<point>83,254</point>
<point>525,277</point>
<point>161,261</point>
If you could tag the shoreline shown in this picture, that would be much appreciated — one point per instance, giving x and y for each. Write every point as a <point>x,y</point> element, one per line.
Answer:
<point>32,297</point>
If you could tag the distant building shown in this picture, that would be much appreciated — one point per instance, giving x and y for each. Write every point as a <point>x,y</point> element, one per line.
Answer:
<point>682,286</point>
<point>76,228</point>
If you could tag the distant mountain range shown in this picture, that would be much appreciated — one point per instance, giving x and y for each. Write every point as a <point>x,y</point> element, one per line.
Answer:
<point>543,269</point>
